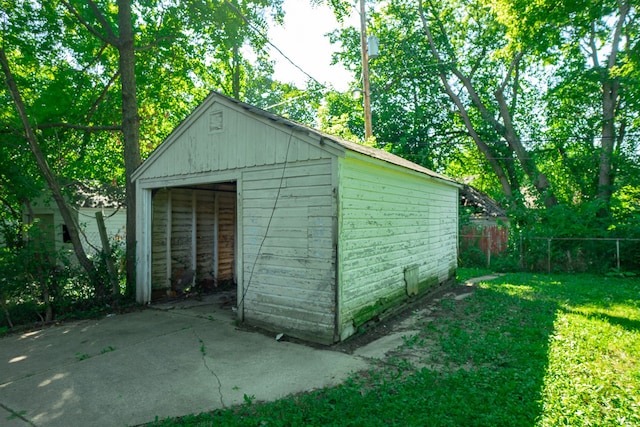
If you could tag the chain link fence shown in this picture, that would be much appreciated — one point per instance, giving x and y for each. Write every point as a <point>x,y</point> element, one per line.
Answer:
<point>551,254</point>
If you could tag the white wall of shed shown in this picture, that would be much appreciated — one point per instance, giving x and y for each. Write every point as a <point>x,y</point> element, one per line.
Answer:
<point>241,142</point>
<point>286,212</point>
<point>289,252</point>
<point>390,220</point>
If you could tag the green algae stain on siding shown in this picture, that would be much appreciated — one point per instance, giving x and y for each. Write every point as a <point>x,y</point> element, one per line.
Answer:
<point>397,238</point>
<point>377,309</point>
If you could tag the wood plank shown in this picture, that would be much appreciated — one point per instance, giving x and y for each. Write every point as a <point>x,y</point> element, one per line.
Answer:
<point>226,235</point>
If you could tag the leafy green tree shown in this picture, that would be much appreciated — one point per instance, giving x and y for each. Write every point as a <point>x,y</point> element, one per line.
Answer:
<point>43,165</point>
<point>592,101</point>
<point>342,115</point>
<point>537,101</point>
<point>97,74</point>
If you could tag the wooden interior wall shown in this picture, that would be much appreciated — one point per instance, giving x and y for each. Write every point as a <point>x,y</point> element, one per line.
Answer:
<point>188,221</point>
<point>226,235</point>
<point>205,235</point>
<point>181,232</point>
<point>159,240</point>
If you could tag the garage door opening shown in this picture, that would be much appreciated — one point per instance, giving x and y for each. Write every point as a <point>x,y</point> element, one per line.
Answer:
<point>194,240</point>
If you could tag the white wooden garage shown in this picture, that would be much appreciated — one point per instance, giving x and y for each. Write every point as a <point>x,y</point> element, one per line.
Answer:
<point>319,235</point>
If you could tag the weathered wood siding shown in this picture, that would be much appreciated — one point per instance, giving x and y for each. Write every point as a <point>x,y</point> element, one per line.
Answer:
<point>181,231</point>
<point>289,256</point>
<point>197,217</point>
<point>226,214</point>
<point>391,221</point>
<point>205,224</point>
<point>216,139</point>
<point>115,221</point>
<point>159,240</point>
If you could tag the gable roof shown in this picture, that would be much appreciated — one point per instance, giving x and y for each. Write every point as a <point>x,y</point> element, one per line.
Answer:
<point>482,204</point>
<point>86,194</point>
<point>94,194</point>
<point>343,143</point>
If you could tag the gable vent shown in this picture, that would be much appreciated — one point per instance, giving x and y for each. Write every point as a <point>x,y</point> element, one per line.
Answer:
<point>215,122</point>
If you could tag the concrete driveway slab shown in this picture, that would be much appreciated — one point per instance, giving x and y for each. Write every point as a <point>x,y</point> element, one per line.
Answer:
<point>129,369</point>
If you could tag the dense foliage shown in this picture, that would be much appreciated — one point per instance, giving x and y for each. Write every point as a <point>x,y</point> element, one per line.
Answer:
<point>536,104</point>
<point>93,86</point>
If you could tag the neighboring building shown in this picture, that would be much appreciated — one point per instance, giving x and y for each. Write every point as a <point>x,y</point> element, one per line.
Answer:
<point>488,227</point>
<point>321,235</point>
<point>85,200</point>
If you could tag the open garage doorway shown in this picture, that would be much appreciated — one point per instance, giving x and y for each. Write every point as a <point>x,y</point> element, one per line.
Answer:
<point>194,242</point>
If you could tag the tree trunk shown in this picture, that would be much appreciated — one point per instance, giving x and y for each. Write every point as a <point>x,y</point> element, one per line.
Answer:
<point>5,310</point>
<point>130,129</point>
<point>482,146</point>
<point>605,181</point>
<point>488,153</point>
<point>235,86</point>
<point>610,95</point>
<point>41,161</point>
<point>505,129</point>
<point>538,179</point>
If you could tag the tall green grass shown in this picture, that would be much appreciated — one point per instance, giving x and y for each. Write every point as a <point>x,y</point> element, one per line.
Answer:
<point>523,350</point>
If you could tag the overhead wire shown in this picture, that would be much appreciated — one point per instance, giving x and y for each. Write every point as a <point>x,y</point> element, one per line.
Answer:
<point>245,290</point>
<point>259,32</point>
<point>270,43</point>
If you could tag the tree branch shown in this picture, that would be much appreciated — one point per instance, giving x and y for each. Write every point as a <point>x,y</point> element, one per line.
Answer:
<point>53,125</point>
<point>513,65</point>
<point>594,49</point>
<point>112,38</point>
<point>442,30</point>
<point>514,87</point>
<point>7,129</point>
<point>154,43</point>
<point>78,127</point>
<point>102,95</point>
<point>617,35</point>
<point>95,59</point>
<point>84,23</point>
<point>8,205</point>
<point>475,66</point>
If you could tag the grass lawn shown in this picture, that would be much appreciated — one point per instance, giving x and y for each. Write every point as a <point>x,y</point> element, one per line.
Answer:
<point>523,350</point>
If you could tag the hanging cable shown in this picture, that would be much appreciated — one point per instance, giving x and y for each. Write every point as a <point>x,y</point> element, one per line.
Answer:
<point>263,36</point>
<point>266,232</point>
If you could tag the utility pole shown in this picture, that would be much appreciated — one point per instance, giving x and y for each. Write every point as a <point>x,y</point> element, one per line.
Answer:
<point>365,73</point>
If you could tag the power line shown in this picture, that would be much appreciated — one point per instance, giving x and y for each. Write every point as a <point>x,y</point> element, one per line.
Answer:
<point>271,216</point>
<point>270,43</point>
<point>437,140</point>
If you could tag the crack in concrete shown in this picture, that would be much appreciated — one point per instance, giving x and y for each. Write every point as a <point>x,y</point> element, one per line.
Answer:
<point>15,414</point>
<point>203,353</point>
